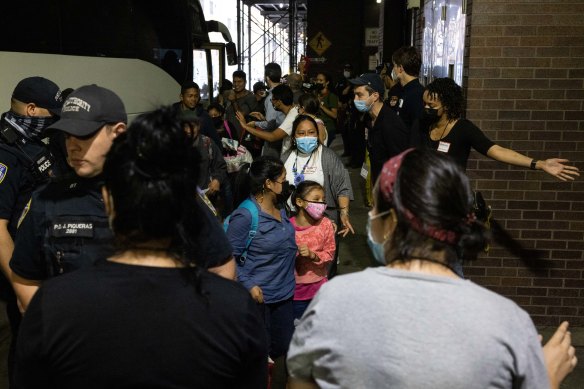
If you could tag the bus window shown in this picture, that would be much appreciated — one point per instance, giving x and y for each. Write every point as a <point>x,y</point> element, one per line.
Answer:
<point>200,72</point>
<point>164,36</point>
<point>209,82</point>
<point>217,65</point>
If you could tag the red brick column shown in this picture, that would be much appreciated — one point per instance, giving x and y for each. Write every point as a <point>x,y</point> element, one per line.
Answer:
<point>525,88</point>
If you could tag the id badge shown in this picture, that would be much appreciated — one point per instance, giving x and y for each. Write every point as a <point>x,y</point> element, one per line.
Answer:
<point>444,146</point>
<point>364,171</point>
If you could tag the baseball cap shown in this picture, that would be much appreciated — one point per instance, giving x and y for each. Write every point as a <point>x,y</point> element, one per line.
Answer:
<point>89,108</point>
<point>371,79</point>
<point>186,115</point>
<point>40,91</point>
<point>259,86</point>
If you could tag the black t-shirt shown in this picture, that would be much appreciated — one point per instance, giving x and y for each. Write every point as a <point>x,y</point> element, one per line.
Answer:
<point>458,142</point>
<point>388,137</point>
<point>411,104</point>
<point>125,326</point>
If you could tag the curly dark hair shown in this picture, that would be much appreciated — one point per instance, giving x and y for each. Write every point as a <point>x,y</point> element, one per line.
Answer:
<point>449,94</point>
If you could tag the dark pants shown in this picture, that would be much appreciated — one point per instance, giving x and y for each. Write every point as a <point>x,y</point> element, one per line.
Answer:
<point>358,144</point>
<point>279,322</point>
<point>299,308</point>
<point>333,267</point>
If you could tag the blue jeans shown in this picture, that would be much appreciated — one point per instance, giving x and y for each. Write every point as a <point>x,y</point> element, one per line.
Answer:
<point>279,322</point>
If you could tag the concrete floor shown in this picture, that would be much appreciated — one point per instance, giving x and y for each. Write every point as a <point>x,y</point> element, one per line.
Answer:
<point>354,255</point>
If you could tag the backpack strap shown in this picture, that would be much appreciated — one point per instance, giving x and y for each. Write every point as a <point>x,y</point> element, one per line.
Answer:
<point>228,129</point>
<point>255,217</point>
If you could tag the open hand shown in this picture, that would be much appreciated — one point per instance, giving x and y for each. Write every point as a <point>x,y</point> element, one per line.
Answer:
<point>346,223</point>
<point>556,168</point>
<point>241,118</point>
<point>258,116</point>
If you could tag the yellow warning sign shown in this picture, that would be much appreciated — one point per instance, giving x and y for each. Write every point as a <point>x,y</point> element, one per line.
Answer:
<point>319,43</point>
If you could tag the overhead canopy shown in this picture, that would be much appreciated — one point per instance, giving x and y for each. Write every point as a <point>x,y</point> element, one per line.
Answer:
<point>277,11</point>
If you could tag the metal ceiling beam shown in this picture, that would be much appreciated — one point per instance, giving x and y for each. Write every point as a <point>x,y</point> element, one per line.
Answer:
<point>283,2</point>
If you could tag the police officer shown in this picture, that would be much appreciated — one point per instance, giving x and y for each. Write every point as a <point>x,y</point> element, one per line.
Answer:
<point>66,227</point>
<point>25,164</point>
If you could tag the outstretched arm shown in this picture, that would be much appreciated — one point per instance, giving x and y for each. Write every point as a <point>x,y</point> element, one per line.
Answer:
<point>559,355</point>
<point>553,166</point>
<point>273,136</point>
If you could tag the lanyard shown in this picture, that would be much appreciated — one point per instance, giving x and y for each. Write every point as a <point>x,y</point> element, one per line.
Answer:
<point>298,178</point>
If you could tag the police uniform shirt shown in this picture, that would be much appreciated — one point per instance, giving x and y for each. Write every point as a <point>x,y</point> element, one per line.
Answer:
<point>16,182</point>
<point>67,228</point>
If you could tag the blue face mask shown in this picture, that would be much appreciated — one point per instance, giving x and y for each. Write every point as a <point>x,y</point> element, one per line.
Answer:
<point>362,106</point>
<point>307,144</point>
<point>377,249</point>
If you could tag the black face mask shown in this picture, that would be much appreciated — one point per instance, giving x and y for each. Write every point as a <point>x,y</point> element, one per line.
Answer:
<point>217,122</point>
<point>430,115</point>
<point>283,196</point>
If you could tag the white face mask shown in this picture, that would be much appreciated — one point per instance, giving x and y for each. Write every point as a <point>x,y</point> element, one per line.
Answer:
<point>393,75</point>
<point>346,74</point>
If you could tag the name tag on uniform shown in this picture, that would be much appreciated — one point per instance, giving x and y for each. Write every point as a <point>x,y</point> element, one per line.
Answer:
<point>443,146</point>
<point>72,229</point>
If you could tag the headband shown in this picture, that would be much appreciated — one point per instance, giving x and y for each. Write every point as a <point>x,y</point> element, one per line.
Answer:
<point>388,175</point>
<point>387,181</point>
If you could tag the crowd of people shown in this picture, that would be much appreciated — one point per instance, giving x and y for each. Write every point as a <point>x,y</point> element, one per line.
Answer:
<point>121,242</point>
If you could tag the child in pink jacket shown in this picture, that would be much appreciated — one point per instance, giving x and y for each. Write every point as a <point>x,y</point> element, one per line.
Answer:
<point>315,238</point>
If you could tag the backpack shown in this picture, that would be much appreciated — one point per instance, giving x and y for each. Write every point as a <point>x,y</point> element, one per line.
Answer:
<point>253,209</point>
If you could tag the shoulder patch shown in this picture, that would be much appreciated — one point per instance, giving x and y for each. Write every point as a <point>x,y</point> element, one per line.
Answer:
<point>3,171</point>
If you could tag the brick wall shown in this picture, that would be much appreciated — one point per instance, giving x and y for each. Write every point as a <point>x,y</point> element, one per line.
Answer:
<point>524,84</point>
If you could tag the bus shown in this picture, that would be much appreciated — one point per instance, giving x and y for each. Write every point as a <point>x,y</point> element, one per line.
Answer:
<point>142,50</point>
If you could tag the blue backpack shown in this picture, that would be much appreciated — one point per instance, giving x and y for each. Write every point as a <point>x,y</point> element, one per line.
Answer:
<point>253,209</point>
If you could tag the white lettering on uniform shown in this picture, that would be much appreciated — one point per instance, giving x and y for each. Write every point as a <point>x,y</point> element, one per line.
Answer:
<point>45,166</point>
<point>83,226</point>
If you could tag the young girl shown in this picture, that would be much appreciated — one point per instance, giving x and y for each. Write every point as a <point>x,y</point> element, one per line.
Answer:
<point>315,239</point>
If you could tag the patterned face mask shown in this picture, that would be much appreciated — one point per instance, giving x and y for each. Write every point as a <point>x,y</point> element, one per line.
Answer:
<point>32,126</point>
<point>315,209</point>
